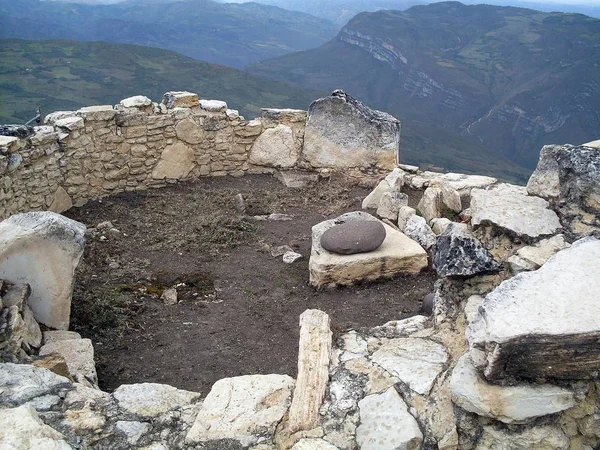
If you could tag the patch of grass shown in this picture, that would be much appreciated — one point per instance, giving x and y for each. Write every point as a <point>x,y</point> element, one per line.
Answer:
<point>103,310</point>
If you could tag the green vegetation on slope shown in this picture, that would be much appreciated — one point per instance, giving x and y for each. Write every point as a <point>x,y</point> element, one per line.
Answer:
<point>229,34</point>
<point>66,75</point>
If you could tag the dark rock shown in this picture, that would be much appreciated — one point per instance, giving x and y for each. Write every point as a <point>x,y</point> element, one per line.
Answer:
<point>569,177</point>
<point>428,303</point>
<point>19,131</point>
<point>459,253</point>
<point>353,237</point>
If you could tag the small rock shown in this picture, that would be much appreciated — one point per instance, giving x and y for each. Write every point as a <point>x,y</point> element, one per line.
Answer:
<point>440,224</point>
<point>281,250</point>
<point>59,335</point>
<point>246,409</point>
<point>277,217</point>
<point>428,303</point>
<point>533,257</point>
<point>55,363</point>
<point>291,257</point>
<point>415,361</point>
<point>509,208</point>
<point>79,355</point>
<point>417,229</point>
<point>536,438</point>
<point>353,237</point>
<point>169,296</point>
<point>404,213</point>
<point>297,179</point>
<point>390,204</point>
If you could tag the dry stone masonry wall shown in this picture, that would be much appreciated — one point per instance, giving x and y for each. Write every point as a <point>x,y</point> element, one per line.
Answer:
<point>103,150</point>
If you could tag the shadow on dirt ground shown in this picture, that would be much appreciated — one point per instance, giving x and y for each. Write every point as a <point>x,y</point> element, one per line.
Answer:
<point>238,306</point>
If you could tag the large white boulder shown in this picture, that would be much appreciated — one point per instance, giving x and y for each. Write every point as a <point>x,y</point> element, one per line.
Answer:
<point>509,208</point>
<point>341,132</point>
<point>543,323</point>
<point>509,404</point>
<point>245,409</point>
<point>397,254</point>
<point>43,249</point>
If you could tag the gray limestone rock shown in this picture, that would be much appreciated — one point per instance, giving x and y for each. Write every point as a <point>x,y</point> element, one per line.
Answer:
<point>20,383</point>
<point>386,423</point>
<point>417,229</point>
<point>354,237</point>
<point>543,323</point>
<point>390,205</point>
<point>459,253</point>
<point>341,132</point>
<point>508,208</point>
<point>509,404</point>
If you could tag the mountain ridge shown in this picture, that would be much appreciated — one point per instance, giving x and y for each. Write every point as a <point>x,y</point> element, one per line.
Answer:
<point>511,78</point>
<point>228,34</point>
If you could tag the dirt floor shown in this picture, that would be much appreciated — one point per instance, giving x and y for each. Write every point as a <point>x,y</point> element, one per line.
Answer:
<point>238,305</point>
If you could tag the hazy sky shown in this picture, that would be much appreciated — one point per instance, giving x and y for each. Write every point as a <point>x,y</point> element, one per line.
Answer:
<point>508,2</point>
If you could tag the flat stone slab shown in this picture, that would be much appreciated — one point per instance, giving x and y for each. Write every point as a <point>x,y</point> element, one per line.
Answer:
<point>543,323</point>
<point>509,404</point>
<point>397,254</point>
<point>149,400</point>
<point>509,208</point>
<point>386,424</point>
<point>245,409</point>
<point>415,361</point>
<point>20,383</point>
<point>458,181</point>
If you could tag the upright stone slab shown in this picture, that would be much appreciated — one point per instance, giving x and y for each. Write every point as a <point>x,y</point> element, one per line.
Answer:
<point>341,132</point>
<point>543,323</point>
<point>43,249</point>
<point>313,370</point>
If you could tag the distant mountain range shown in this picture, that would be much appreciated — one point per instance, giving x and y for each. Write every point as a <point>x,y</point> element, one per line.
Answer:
<point>228,34</point>
<point>341,11</point>
<point>507,79</point>
<point>66,75</point>
<point>61,75</point>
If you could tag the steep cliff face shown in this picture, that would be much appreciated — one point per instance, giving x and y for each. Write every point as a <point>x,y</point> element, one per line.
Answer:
<point>511,79</point>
